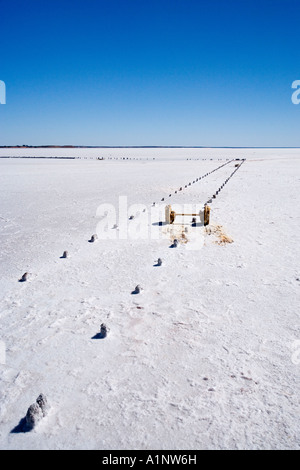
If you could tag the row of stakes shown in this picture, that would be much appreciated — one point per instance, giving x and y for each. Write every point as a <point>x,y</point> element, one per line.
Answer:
<point>153,158</point>
<point>238,166</point>
<point>103,329</point>
<point>147,158</point>
<point>196,180</point>
<point>109,158</point>
<point>94,237</point>
<point>40,408</point>
<point>125,158</point>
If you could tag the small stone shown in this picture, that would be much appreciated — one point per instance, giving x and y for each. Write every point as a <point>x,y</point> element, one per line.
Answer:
<point>24,278</point>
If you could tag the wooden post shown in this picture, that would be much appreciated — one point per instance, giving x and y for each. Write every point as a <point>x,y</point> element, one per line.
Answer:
<point>206,215</point>
<point>168,214</point>
<point>201,215</point>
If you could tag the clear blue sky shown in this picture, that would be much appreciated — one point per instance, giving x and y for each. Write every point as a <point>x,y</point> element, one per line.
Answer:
<point>150,72</point>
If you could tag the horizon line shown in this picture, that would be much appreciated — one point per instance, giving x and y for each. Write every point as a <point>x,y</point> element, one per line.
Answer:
<point>145,146</point>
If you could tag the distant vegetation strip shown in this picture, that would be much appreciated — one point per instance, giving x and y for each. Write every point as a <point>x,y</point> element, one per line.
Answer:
<point>57,158</point>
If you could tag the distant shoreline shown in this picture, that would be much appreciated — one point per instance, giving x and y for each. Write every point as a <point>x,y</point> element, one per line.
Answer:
<point>42,158</point>
<point>23,147</point>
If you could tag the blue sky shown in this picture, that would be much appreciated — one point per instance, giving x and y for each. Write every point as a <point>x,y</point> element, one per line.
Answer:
<point>135,72</point>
